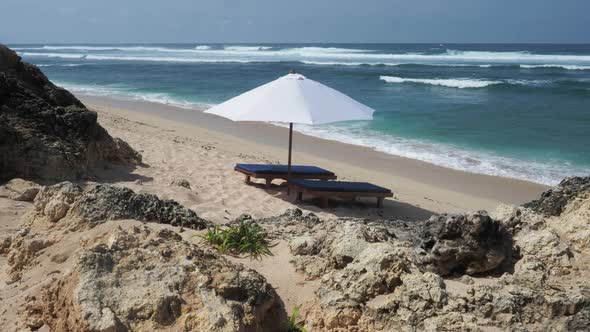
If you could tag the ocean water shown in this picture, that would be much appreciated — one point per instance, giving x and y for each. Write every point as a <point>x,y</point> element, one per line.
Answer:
<point>519,111</point>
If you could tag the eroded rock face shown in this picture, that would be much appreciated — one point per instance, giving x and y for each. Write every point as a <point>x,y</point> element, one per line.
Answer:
<point>45,132</point>
<point>464,244</point>
<point>147,280</point>
<point>98,203</point>
<point>70,207</point>
<point>128,275</point>
<point>144,280</point>
<point>105,202</point>
<point>20,190</point>
<point>553,201</point>
<point>370,279</point>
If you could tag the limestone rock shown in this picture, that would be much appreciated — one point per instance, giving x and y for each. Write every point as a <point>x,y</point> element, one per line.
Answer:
<point>553,201</point>
<point>105,202</point>
<point>5,242</point>
<point>465,244</point>
<point>527,273</point>
<point>145,280</point>
<point>20,190</point>
<point>23,249</point>
<point>99,203</point>
<point>181,183</point>
<point>53,202</point>
<point>45,132</point>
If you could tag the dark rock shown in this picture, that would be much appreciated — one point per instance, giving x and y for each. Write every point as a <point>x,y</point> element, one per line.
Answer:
<point>464,244</point>
<point>181,183</point>
<point>45,132</point>
<point>105,202</point>
<point>553,201</point>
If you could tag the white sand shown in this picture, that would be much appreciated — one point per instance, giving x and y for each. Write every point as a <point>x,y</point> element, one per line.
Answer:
<point>180,143</point>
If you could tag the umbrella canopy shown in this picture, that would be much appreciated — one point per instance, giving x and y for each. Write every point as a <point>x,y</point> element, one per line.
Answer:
<point>293,98</point>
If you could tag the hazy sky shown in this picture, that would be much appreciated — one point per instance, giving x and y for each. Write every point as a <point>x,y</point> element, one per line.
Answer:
<point>104,21</point>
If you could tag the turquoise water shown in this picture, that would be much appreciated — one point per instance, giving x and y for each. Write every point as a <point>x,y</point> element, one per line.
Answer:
<point>521,111</point>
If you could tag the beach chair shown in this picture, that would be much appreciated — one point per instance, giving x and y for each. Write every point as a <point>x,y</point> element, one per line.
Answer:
<point>271,172</point>
<point>342,189</point>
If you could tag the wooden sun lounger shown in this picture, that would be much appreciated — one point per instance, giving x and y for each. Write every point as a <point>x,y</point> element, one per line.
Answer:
<point>271,172</point>
<point>342,189</point>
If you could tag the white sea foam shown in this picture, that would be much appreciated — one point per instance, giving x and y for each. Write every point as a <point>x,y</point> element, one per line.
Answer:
<point>313,55</point>
<point>460,83</point>
<point>445,155</point>
<point>134,58</point>
<point>124,92</point>
<point>247,48</point>
<point>568,67</point>
<point>62,64</point>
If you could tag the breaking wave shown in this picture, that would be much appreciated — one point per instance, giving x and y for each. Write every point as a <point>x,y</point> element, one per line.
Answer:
<point>461,83</point>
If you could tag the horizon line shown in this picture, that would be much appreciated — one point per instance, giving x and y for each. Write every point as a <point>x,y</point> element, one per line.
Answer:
<point>262,42</point>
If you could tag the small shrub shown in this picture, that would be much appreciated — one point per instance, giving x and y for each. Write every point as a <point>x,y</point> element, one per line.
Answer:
<point>245,238</point>
<point>291,324</point>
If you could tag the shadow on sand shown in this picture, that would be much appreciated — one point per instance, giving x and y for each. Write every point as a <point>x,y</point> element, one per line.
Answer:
<point>362,207</point>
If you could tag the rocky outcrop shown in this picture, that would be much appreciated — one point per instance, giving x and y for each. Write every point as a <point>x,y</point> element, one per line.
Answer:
<point>93,271</point>
<point>401,276</point>
<point>20,190</point>
<point>98,203</point>
<point>45,132</point>
<point>71,207</point>
<point>145,280</point>
<point>553,201</point>
<point>105,202</point>
<point>464,244</point>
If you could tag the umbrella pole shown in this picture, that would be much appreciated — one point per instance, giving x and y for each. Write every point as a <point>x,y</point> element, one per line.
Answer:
<point>289,160</point>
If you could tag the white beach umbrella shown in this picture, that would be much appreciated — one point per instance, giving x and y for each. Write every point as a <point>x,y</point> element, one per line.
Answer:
<point>291,99</point>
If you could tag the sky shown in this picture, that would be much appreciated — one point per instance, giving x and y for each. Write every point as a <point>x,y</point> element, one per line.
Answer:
<point>251,21</point>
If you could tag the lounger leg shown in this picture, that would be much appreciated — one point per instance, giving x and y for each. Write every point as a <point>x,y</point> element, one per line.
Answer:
<point>379,202</point>
<point>324,202</point>
<point>268,182</point>
<point>300,195</point>
<point>247,179</point>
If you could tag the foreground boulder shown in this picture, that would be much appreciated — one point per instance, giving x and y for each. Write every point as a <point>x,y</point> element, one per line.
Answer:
<point>70,207</point>
<point>45,132</point>
<point>103,258</point>
<point>145,280</point>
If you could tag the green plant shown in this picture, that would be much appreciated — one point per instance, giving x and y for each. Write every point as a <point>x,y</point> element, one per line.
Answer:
<point>291,324</point>
<point>246,237</point>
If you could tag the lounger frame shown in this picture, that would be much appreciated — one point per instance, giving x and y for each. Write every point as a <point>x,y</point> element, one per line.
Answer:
<point>268,177</point>
<point>325,194</point>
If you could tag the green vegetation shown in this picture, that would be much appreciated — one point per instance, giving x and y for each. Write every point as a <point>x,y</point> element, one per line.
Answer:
<point>245,238</point>
<point>291,324</point>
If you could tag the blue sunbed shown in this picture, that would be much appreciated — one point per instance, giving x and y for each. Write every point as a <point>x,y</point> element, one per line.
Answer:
<point>271,172</point>
<point>344,189</point>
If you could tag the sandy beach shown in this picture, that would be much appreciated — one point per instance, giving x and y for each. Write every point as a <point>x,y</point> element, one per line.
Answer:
<point>128,215</point>
<point>183,143</point>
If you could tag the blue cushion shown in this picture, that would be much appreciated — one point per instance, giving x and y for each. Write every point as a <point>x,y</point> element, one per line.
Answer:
<point>343,186</point>
<point>282,169</point>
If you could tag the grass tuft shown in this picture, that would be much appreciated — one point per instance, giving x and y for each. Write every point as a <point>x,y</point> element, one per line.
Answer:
<point>291,324</point>
<point>245,238</point>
